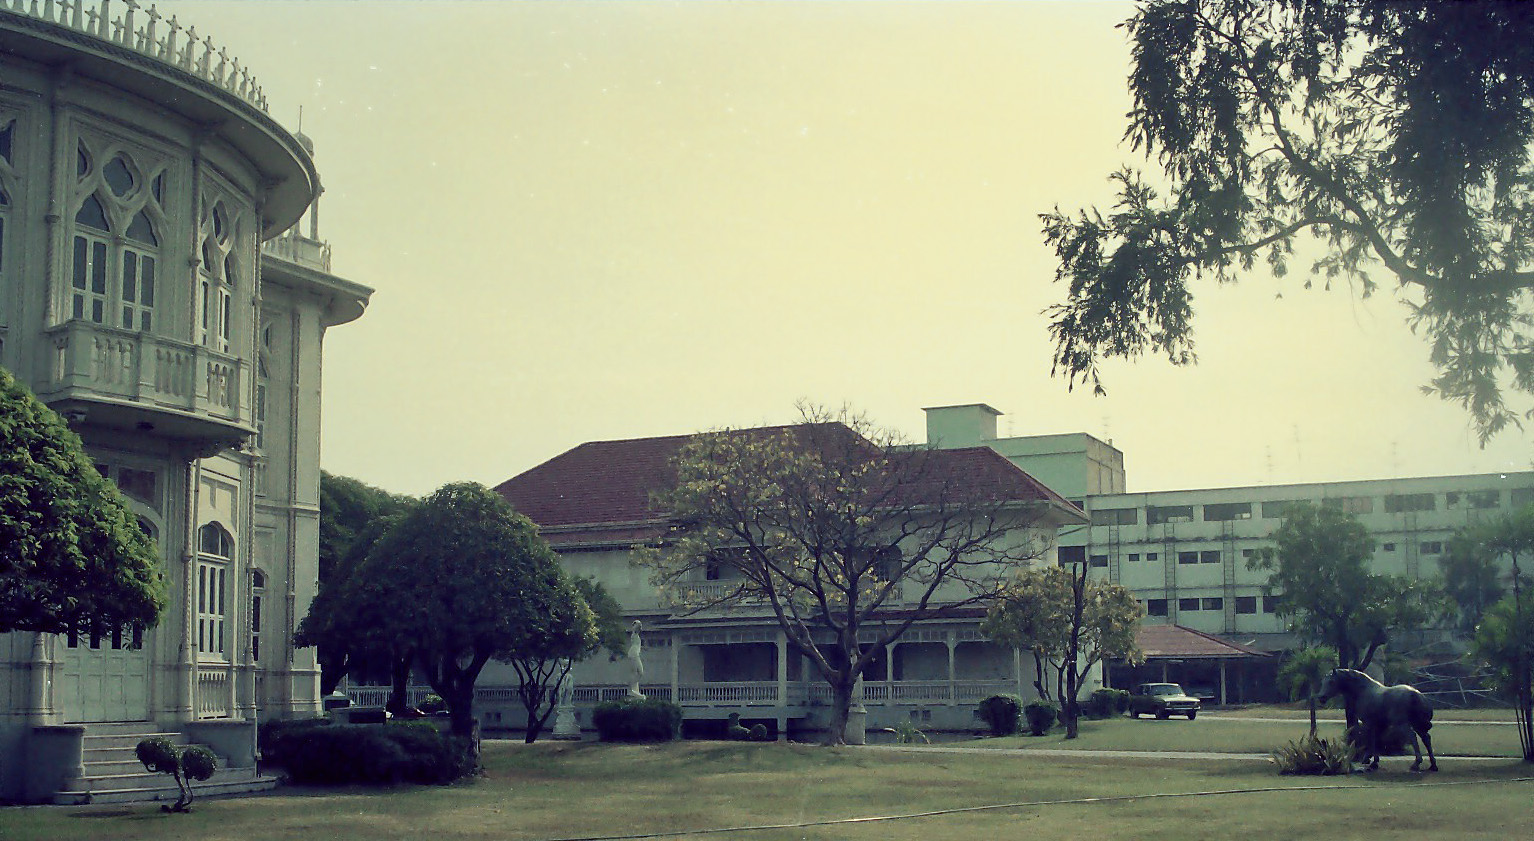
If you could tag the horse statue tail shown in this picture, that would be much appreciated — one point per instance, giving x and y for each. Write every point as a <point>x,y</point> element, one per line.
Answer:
<point>1421,714</point>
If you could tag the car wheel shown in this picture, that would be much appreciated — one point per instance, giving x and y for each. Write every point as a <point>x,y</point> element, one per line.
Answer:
<point>1162,715</point>
<point>1191,715</point>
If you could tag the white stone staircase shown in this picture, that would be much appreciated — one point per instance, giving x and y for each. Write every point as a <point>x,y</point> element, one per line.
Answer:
<point>113,773</point>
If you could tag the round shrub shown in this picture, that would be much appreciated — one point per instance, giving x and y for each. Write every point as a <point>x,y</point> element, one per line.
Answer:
<point>432,704</point>
<point>1103,703</point>
<point>758,732</point>
<point>1001,713</point>
<point>158,755</point>
<point>1041,716</point>
<point>198,763</point>
<point>637,720</point>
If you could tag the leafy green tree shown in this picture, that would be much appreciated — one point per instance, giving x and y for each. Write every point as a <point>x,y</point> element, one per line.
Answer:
<point>828,526</point>
<point>352,517</point>
<point>466,579</point>
<point>1303,672</point>
<point>1384,136</point>
<point>1471,577</point>
<point>1505,638</point>
<point>1319,570</point>
<point>72,555</point>
<point>1071,623</point>
<point>585,619</point>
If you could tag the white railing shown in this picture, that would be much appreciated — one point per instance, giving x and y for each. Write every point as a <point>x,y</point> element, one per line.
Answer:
<point>179,46</point>
<point>297,248</point>
<point>378,696</point>
<point>213,692</point>
<point>147,369</point>
<point>728,693</point>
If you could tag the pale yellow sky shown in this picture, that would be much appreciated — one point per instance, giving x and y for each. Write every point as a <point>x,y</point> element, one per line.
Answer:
<point>607,220</point>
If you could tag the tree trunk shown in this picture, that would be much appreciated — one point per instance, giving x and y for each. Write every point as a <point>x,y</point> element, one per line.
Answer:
<point>1312,715</point>
<point>399,684</point>
<point>841,706</point>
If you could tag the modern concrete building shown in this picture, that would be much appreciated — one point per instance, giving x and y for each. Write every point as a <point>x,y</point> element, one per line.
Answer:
<point>1184,553</point>
<point>158,290</point>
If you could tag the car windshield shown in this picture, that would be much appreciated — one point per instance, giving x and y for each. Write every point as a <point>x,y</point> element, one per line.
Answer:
<point>1163,689</point>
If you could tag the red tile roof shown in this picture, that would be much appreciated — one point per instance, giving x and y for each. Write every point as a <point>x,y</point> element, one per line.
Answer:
<point>599,492</point>
<point>1177,642</point>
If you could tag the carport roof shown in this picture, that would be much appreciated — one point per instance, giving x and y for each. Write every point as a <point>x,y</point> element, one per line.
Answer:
<point>1174,642</point>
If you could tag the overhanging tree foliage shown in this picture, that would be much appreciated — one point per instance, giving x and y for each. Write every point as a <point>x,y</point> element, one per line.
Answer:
<point>1070,622</point>
<point>72,555</point>
<point>829,526</point>
<point>1320,572</point>
<point>1393,136</point>
<point>586,619</point>
<point>1471,577</point>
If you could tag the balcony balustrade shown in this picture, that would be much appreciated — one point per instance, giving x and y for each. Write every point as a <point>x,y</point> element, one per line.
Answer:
<point>185,390</point>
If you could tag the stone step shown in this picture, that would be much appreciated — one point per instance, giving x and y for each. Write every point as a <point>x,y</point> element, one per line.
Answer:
<point>105,767</point>
<point>163,788</point>
<point>114,728</point>
<point>121,741</point>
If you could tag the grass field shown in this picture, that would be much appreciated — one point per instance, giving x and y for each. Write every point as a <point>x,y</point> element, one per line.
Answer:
<point>588,790</point>
<point>1216,731</point>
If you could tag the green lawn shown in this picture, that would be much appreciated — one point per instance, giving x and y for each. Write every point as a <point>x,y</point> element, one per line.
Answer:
<point>561,791</point>
<point>1214,731</point>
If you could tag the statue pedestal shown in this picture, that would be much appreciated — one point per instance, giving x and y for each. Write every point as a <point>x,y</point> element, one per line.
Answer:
<point>565,726</point>
<point>857,725</point>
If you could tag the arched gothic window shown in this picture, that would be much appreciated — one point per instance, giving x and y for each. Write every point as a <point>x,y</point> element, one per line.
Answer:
<point>113,266</point>
<point>215,550</point>
<point>257,594</point>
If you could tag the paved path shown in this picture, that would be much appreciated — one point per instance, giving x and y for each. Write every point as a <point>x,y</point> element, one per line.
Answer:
<point>1322,720</point>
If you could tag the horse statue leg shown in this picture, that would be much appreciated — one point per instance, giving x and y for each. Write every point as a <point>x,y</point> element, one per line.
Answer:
<point>1432,760</point>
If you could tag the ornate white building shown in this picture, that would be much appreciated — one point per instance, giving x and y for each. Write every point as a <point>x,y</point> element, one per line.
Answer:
<point>159,290</point>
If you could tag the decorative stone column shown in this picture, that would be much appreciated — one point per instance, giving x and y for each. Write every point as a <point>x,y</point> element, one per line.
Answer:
<point>857,717</point>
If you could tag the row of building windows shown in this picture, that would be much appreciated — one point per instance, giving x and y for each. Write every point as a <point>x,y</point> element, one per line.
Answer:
<point>1273,510</point>
<point>1245,605</point>
<point>1070,554</point>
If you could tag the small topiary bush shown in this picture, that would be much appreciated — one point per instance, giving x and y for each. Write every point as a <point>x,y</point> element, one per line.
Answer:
<point>1001,713</point>
<point>371,755</point>
<point>1105,703</point>
<point>637,720</point>
<point>1315,757</point>
<point>1041,716</point>
<point>432,704</point>
<point>758,732</point>
<point>734,731</point>
<point>193,762</point>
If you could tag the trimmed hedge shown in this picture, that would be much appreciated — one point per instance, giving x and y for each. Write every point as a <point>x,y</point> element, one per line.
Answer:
<point>1041,716</point>
<point>1105,703</point>
<point>370,754</point>
<point>637,720</point>
<point>1001,713</point>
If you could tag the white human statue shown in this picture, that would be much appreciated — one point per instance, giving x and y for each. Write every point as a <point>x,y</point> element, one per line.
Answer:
<point>636,660</point>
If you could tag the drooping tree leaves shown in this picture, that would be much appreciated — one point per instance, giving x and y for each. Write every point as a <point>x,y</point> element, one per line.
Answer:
<point>1390,136</point>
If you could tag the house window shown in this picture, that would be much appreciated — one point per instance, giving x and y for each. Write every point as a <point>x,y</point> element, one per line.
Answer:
<point>1522,497</point>
<point>1387,547</point>
<point>1116,517</point>
<point>1248,554</point>
<point>1471,500</point>
<point>1431,547</point>
<point>257,591</point>
<point>1270,604</point>
<point>1099,561</point>
<point>1187,557</point>
<point>218,276</point>
<point>1134,557</point>
<point>1152,556</point>
<point>1400,503</point>
<point>1155,607</point>
<point>1278,509</point>
<point>1157,514</point>
<point>1072,555</point>
<point>1246,605</point>
<point>1350,504</point>
<point>215,549</point>
<point>1226,511</point>
<point>1209,556</point>
<point>113,268</point>
<point>1212,604</point>
<point>1187,604</point>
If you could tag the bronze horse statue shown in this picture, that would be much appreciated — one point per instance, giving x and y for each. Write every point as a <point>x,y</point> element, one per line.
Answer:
<point>1378,709</point>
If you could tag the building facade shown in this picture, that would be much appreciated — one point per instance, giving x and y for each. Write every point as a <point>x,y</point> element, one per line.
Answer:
<point>158,290</point>
<point>1185,553</point>
<point>593,505</point>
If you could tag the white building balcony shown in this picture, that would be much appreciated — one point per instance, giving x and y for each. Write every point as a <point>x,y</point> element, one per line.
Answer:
<point>142,382</point>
